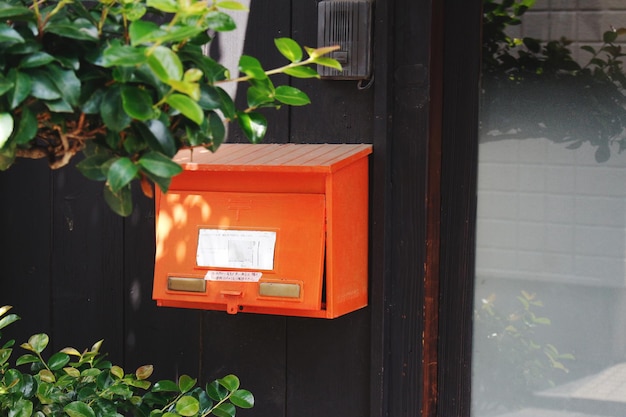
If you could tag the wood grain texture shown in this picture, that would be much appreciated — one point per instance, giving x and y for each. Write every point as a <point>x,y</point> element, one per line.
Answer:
<point>26,230</point>
<point>458,215</point>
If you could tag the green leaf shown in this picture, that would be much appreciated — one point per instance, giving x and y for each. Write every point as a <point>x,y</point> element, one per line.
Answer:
<point>4,355</point>
<point>227,106</point>
<point>73,372</point>
<point>8,319</point>
<point>192,89</point>
<point>36,59</point>
<point>120,202</point>
<point>161,166</point>
<point>231,5</point>
<point>162,183</point>
<point>177,33</point>
<point>251,67</point>
<point>123,391</point>
<point>123,55</point>
<point>92,104</point>
<point>22,408</point>
<point>210,98</point>
<point>59,106</point>
<point>121,173</point>
<point>43,87</point>
<point>6,128</point>
<point>9,11</point>
<point>216,392</point>
<point>46,376</point>
<point>81,29</point>
<point>7,156</point>
<point>291,96</point>
<point>220,22</point>
<point>187,406</point>
<point>26,128</point>
<point>158,136</point>
<point>259,96</point>
<point>167,6</point>
<point>609,36</point>
<point>134,11</point>
<point>22,86</point>
<point>112,110</point>
<point>137,103</point>
<point>165,64</point>
<point>165,385</point>
<point>142,31</point>
<point>186,383</point>
<point>328,62</point>
<point>242,398</point>
<point>5,85</point>
<point>117,372</point>
<point>91,167</point>
<point>9,35</point>
<point>37,342</point>
<point>230,382</point>
<point>58,361</point>
<point>212,132</point>
<point>79,409</point>
<point>302,72</point>
<point>27,358</point>
<point>289,49</point>
<point>65,81</point>
<point>138,383</point>
<point>187,107</point>
<point>225,410</point>
<point>254,125</point>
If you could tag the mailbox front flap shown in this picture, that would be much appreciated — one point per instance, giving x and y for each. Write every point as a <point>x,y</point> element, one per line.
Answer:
<point>240,249</point>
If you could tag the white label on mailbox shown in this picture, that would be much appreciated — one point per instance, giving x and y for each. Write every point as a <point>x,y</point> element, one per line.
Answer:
<point>250,249</point>
<point>239,276</point>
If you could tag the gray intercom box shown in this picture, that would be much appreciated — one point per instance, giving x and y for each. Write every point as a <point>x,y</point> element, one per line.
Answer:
<point>347,24</point>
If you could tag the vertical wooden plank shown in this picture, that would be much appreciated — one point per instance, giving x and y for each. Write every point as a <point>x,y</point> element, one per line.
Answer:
<point>409,170</point>
<point>458,220</point>
<point>328,361</point>
<point>430,361</point>
<point>339,112</point>
<point>380,242</point>
<point>86,265</point>
<point>251,346</point>
<point>25,241</point>
<point>167,338</point>
<point>328,366</point>
<point>267,20</point>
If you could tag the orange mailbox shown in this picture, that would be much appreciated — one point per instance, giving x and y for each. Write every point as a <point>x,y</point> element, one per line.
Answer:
<point>274,229</point>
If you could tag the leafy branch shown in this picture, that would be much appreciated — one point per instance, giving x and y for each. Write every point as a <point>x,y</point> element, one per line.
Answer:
<point>86,385</point>
<point>107,80</point>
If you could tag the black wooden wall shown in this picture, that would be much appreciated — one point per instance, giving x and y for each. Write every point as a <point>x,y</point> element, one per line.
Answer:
<point>75,270</point>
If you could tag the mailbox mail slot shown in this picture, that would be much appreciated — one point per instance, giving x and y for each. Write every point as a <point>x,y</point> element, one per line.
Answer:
<point>273,229</point>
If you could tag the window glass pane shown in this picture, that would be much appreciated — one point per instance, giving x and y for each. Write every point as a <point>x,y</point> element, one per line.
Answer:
<point>550,295</point>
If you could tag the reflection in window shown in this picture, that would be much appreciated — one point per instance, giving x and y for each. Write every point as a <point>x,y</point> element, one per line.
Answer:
<point>550,305</point>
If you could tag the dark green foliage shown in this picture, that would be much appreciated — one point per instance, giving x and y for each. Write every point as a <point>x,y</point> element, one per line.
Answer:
<point>535,88</point>
<point>84,384</point>
<point>106,79</point>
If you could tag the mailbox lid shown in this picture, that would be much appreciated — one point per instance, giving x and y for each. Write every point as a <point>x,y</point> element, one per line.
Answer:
<point>289,157</point>
<point>273,257</point>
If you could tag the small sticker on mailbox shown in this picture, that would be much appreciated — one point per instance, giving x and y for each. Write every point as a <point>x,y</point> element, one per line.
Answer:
<point>237,276</point>
<point>249,249</point>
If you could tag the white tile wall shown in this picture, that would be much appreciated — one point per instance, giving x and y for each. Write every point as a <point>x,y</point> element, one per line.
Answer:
<point>581,21</point>
<point>550,213</point>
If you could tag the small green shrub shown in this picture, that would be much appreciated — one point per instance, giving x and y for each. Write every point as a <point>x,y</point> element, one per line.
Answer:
<point>85,384</point>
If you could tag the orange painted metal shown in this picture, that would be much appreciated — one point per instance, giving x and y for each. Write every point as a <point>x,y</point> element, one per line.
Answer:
<point>270,229</point>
